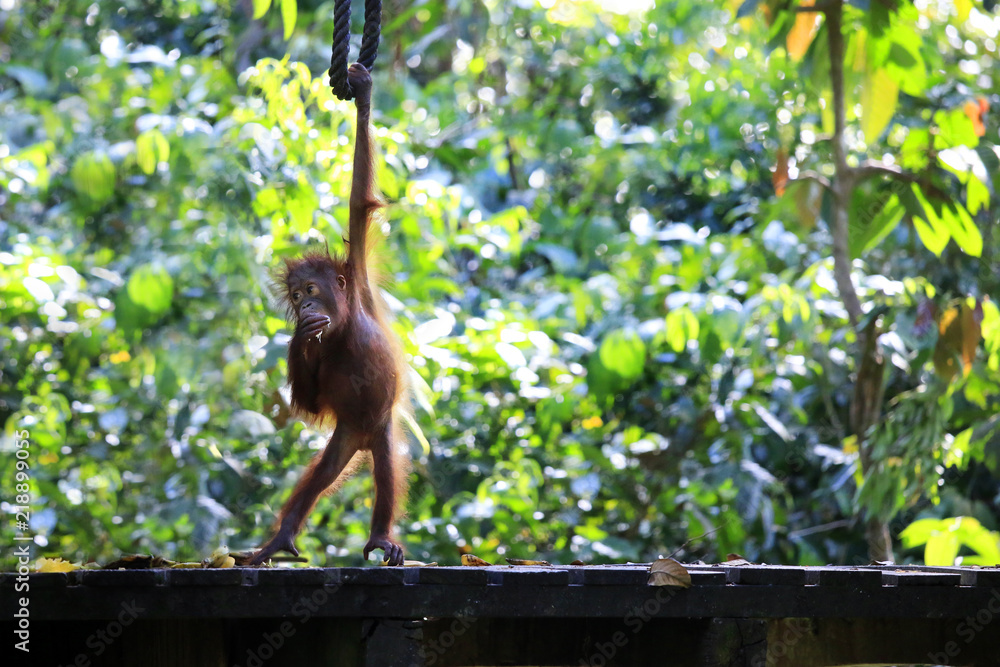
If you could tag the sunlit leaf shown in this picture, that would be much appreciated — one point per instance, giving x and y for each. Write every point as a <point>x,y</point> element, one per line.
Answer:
<point>986,543</point>
<point>933,236</point>
<point>624,353</point>
<point>919,532</point>
<point>93,176</point>
<point>302,203</point>
<point>682,326</point>
<point>289,13</point>
<point>900,52</point>
<point>931,230</point>
<point>260,8</point>
<point>991,325</point>
<point>914,153</point>
<point>826,112</point>
<point>941,549</point>
<point>867,234</point>
<point>879,95</point>
<point>954,128</point>
<point>957,450</point>
<point>152,288</point>
<point>963,228</point>
<point>977,195</point>
<point>963,8</point>
<point>803,31</point>
<point>151,149</point>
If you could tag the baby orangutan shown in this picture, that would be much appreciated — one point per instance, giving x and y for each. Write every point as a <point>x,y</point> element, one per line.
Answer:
<point>345,364</point>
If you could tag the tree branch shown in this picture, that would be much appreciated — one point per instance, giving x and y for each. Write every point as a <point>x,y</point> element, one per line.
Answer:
<point>835,36</point>
<point>815,176</point>
<point>872,168</point>
<point>843,180</point>
<point>869,383</point>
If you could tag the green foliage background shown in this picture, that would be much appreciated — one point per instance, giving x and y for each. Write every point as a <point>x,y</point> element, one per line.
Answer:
<point>621,337</point>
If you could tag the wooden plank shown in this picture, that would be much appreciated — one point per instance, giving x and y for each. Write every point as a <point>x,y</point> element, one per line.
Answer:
<point>772,576</point>
<point>372,576</point>
<point>501,591</point>
<point>389,642</point>
<point>118,578</point>
<point>622,642</point>
<point>451,576</point>
<point>850,578</point>
<point>613,576</point>
<point>524,576</point>
<point>417,601</point>
<point>905,578</point>
<point>825,642</point>
<point>306,576</point>
<point>205,577</point>
<point>987,577</point>
<point>708,578</point>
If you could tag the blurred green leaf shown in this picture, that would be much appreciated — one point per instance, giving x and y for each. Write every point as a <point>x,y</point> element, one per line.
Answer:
<point>152,288</point>
<point>682,326</point>
<point>879,95</point>
<point>93,176</point>
<point>289,14</point>
<point>151,149</point>
<point>260,8</point>
<point>624,353</point>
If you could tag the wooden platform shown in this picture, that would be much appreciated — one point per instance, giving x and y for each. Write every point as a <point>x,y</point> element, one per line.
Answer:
<point>594,615</point>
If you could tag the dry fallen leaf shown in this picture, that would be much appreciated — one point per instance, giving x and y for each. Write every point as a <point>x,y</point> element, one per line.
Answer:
<point>411,563</point>
<point>473,561</point>
<point>55,565</point>
<point>735,560</point>
<point>521,561</point>
<point>138,562</point>
<point>668,572</point>
<point>780,176</point>
<point>220,558</point>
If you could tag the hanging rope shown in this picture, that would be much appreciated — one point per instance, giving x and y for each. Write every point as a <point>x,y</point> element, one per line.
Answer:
<point>342,43</point>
